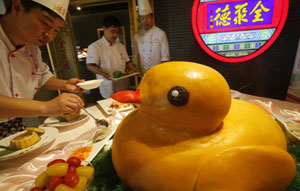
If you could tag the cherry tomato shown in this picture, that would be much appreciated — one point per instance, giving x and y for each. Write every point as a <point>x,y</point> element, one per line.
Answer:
<point>71,179</point>
<point>72,169</point>
<point>58,169</point>
<point>41,180</point>
<point>53,182</point>
<point>63,187</point>
<point>56,161</point>
<point>81,184</point>
<point>36,189</point>
<point>74,161</point>
<point>86,171</point>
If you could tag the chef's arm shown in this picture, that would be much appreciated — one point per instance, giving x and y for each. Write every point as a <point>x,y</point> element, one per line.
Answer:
<point>96,70</point>
<point>13,107</point>
<point>17,107</point>
<point>67,85</point>
<point>165,53</point>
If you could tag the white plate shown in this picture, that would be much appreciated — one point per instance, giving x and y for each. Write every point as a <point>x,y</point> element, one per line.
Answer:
<point>105,104</point>
<point>235,94</point>
<point>290,128</point>
<point>97,147</point>
<point>91,84</point>
<point>54,122</point>
<point>49,135</point>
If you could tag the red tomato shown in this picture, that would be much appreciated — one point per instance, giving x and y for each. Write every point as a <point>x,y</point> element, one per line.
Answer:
<point>36,189</point>
<point>56,161</point>
<point>74,161</point>
<point>71,169</point>
<point>71,179</point>
<point>53,182</point>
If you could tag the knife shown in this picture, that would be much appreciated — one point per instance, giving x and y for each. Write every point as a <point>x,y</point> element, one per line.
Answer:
<point>9,148</point>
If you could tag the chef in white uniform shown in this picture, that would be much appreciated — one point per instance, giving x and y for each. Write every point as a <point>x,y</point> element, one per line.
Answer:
<point>24,27</point>
<point>106,56</point>
<point>151,41</point>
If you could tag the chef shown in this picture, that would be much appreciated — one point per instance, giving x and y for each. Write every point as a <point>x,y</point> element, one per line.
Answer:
<point>106,56</point>
<point>26,25</point>
<point>151,41</point>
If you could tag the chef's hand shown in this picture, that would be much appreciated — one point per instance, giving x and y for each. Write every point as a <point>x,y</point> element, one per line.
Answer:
<point>130,68</point>
<point>64,103</point>
<point>70,86</point>
<point>106,74</point>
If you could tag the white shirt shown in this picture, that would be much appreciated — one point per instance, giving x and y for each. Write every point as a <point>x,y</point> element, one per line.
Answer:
<point>112,58</point>
<point>153,47</point>
<point>22,70</point>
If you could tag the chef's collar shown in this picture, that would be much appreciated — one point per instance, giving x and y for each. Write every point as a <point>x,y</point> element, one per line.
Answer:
<point>106,41</point>
<point>11,47</point>
<point>144,32</point>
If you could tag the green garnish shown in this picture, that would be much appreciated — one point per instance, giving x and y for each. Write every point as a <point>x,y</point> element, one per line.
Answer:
<point>61,119</point>
<point>106,178</point>
<point>294,151</point>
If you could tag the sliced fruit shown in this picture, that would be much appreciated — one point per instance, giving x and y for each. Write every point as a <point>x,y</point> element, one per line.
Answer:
<point>25,140</point>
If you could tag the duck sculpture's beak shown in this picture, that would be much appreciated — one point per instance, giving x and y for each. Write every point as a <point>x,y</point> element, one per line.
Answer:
<point>127,96</point>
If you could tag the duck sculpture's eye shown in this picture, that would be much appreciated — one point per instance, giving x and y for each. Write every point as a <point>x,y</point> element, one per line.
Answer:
<point>178,96</point>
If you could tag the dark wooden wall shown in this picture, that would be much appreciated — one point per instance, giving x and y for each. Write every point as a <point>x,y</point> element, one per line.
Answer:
<point>267,75</point>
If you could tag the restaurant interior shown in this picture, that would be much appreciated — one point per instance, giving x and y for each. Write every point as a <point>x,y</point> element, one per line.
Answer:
<point>268,75</point>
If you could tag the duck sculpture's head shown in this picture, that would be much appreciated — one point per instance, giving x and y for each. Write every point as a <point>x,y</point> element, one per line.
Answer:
<point>183,95</point>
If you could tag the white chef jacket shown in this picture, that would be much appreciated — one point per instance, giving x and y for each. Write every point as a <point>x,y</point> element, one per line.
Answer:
<point>22,70</point>
<point>153,47</point>
<point>112,58</point>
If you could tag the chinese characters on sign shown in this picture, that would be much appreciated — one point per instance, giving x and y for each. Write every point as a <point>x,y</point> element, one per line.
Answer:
<point>239,13</point>
<point>65,61</point>
<point>238,30</point>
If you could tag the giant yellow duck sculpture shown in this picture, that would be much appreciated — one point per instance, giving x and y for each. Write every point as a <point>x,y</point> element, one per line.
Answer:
<point>189,134</point>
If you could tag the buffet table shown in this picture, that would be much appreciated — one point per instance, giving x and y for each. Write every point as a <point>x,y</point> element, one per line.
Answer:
<point>19,173</point>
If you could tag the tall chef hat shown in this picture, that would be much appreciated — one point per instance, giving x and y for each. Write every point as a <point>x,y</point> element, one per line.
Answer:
<point>60,7</point>
<point>144,7</point>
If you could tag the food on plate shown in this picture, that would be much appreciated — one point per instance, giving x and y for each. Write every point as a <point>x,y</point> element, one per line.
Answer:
<point>101,134</point>
<point>118,105</point>
<point>74,161</point>
<point>191,135</point>
<point>70,116</point>
<point>62,175</point>
<point>103,122</point>
<point>294,127</point>
<point>117,74</point>
<point>82,153</point>
<point>39,131</point>
<point>25,140</point>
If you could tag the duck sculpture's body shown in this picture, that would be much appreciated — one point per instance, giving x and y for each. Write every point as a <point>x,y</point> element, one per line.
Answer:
<point>189,134</point>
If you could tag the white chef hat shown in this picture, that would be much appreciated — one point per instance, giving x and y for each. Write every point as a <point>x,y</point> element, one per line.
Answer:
<point>60,7</point>
<point>144,7</point>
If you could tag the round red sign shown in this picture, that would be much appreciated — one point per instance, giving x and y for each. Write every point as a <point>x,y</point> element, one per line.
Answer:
<point>238,30</point>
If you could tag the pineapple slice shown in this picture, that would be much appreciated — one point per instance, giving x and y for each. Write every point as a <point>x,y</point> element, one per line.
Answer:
<point>25,140</point>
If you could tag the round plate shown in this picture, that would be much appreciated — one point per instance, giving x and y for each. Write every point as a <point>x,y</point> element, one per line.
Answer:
<point>54,122</point>
<point>91,84</point>
<point>235,94</point>
<point>105,105</point>
<point>49,135</point>
<point>290,128</point>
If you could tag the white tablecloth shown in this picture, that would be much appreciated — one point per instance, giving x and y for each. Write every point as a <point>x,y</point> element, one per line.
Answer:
<point>19,173</point>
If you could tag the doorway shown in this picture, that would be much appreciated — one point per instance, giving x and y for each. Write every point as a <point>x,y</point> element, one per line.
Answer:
<point>86,19</point>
